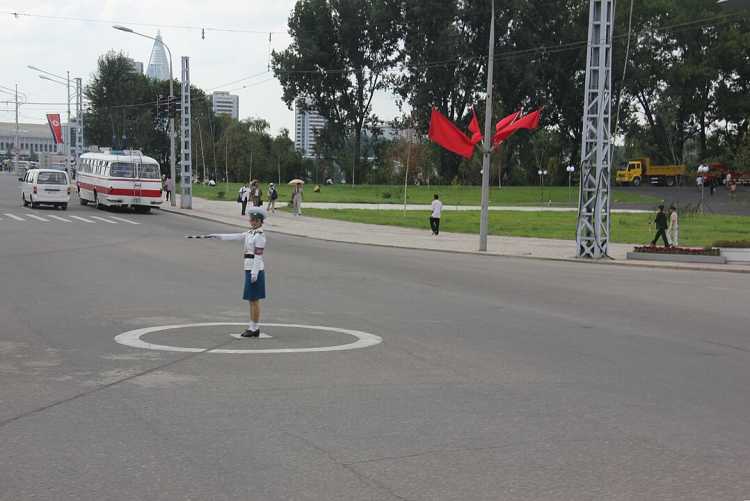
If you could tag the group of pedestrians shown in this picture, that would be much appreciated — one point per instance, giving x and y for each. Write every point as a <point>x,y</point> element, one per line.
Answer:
<point>254,195</point>
<point>167,186</point>
<point>667,228</point>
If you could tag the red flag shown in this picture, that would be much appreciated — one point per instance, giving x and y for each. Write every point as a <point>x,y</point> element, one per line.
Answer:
<point>506,121</point>
<point>476,134</point>
<point>53,119</point>
<point>446,134</point>
<point>530,121</point>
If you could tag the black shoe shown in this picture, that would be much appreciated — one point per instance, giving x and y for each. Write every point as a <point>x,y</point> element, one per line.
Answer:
<point>249,333</point>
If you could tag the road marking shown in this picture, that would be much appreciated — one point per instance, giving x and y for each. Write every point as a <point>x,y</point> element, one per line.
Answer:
<point>133,339</point>
<point>102,219</point>
<point>15,217</point>
<point>82,219</point>
<point>37,217</point>
<point>123,220</point>
<point>60,218</point>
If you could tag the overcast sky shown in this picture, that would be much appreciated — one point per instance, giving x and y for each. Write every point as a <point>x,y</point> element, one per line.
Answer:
<point>58,45</point>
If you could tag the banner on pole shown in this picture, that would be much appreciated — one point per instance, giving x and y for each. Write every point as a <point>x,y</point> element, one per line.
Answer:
<point>53,119</point>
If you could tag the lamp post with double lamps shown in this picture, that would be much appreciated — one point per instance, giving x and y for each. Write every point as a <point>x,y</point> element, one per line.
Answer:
<point>172,170</point>
<point>702,170</point>
<point>542,173</point>
<point>571,169</point>
<point>60,80</point>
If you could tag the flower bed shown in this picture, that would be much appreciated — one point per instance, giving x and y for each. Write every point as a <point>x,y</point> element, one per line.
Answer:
<point>683,251</point>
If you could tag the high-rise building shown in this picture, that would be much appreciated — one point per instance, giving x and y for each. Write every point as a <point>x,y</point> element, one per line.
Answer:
<point>224,103</point>
<point>158,63</point>
<point>307,123</point>
<point>136,65</point>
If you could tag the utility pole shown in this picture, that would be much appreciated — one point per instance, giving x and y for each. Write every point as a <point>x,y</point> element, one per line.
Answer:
<point>203,154</point>
<point>251,167</point>
<point>406,173</point>
<point>16,144</point>
<point>70,126</point>
<point>487,150</point>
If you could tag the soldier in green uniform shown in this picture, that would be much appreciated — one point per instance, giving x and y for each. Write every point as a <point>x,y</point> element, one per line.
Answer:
<point>661,227</point>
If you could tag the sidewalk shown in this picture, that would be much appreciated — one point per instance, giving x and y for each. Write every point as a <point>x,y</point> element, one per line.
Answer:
<point>410,238</point>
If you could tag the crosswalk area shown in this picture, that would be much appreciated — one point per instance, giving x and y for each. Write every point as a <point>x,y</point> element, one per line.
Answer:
<point>21,217</point>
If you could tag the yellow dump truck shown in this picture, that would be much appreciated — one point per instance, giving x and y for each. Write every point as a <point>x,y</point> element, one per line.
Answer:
<point>641,170</point>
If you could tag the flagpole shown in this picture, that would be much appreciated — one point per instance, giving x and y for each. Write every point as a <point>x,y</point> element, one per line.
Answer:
<point>484,220</point>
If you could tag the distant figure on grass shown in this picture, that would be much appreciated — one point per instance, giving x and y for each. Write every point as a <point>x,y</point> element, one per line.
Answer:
<point>437,209</point>
<point>661,227</point>
<point>674,226</point>
<point>732,189</point>
<point>254,245</point>
<point>273,195</point>
<point>297,199</point>
<point>243,196</point>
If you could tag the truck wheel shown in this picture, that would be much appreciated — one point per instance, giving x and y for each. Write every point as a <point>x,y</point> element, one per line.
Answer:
<point>636,181</point>
<point>670,181</point>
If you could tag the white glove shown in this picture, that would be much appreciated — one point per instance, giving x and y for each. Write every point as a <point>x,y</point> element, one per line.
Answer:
<point>253,277</point>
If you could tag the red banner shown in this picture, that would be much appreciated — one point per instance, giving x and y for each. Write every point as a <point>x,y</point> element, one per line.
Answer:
<point>446,134</point>
<point>53,119</point>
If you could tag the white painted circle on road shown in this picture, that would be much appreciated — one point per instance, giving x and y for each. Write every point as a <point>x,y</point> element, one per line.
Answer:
<point>133,339</point>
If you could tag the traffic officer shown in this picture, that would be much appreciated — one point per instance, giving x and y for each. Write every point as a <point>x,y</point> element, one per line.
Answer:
<point>254,246</point>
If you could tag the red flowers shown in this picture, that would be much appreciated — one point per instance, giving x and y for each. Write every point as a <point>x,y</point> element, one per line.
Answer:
<point>652,249</point>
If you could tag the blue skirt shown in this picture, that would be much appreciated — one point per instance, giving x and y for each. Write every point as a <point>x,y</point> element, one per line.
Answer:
<point>254,291</point>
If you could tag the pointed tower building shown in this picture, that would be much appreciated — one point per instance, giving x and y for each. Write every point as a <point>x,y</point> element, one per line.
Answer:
<point>158,63</point>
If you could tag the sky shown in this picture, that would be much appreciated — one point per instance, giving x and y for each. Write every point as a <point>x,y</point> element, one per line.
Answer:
<point>216,62</point>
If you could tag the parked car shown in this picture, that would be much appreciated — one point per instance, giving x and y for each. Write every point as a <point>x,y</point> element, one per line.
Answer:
<point>45,187</point>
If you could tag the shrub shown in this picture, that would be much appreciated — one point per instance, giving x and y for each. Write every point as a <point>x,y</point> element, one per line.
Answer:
<point>387,194</point>
<point>733,244</point>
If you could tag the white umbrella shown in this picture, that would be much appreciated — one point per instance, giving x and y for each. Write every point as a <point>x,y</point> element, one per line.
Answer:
<point>296,181</point>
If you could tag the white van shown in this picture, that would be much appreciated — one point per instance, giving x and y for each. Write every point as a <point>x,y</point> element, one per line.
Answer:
<point>45,187</point>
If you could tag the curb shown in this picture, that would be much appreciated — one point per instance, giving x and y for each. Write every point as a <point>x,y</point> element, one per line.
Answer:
<point>630,264</point>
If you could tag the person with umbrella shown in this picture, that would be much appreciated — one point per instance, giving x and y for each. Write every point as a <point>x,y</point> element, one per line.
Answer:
<point>254,246</point>
<point>297,196</point>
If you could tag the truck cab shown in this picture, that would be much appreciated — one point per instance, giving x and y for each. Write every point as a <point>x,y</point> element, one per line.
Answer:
<point>632,173</point>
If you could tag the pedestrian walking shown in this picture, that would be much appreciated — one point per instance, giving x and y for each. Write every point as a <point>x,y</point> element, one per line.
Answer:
<point>169,187</point>
<point>661,227</point>
<point>254,246</point>
<point>273,195</point>
<point>297,199</point>
<point>243,196</point>
<point>674,227</point>
<point>437,209</point>
<point>255,193</point>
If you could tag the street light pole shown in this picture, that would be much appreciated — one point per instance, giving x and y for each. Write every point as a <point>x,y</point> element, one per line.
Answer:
<point>487,150</point>
<point>172,169</point>
<point>66,80</point>
<point>571,169</point>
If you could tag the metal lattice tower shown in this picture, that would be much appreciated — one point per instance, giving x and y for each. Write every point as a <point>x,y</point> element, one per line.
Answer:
<point>79,121</point>
<point>592,233</point>
<point>186,162</point>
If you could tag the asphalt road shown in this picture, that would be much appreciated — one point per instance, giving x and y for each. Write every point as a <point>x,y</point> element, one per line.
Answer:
<point>497,379</point>
<point>689,196</point>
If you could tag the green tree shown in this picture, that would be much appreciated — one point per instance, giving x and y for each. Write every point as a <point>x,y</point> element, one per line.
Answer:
<point>340,56</point>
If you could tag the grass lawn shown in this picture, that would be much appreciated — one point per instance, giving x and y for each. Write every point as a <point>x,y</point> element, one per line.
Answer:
<point>450,195</point>
<point>626,228</point>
